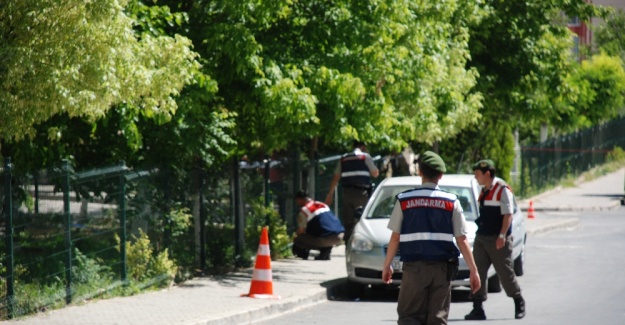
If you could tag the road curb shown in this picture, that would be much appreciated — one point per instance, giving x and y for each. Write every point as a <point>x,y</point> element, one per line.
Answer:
<point>575,209</point>
<point>607,207</point>
<point>556,225</point>
<point>280,308</point>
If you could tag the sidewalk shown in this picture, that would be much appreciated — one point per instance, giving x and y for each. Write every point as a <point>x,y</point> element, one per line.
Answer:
<point>602,193</point>
<point>217,300</point>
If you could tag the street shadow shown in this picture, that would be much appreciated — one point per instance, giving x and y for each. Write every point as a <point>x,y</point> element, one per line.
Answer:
<point>614,196</point>
<point>342,290</point>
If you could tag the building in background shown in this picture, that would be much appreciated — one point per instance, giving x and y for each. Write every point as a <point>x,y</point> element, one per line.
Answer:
<point>583,30</point>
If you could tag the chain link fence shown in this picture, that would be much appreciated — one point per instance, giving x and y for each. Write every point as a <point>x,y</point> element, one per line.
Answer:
<point>65,234</point>
<point>545,164</point>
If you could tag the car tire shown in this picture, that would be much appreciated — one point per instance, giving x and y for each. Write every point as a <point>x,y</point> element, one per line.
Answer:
<point>355,290</point>
<point>493,285</point>
<point>519,262</point>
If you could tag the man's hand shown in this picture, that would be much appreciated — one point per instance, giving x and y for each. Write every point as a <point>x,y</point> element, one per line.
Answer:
<point>387,274</point>
<point>500,243</point>
<point>474,279</point>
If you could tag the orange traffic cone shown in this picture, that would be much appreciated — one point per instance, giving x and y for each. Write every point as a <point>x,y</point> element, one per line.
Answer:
<point>262,283</point>
<point>530,211</point>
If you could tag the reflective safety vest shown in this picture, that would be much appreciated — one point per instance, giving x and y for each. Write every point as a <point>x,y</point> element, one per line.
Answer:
<point>354,170</point>
<point>490,221</point>
<point>427,232</point>
<point>321,222</point>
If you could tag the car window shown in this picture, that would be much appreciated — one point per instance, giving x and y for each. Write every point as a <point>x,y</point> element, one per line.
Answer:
<point>383,203</point>
<point>467,201</point>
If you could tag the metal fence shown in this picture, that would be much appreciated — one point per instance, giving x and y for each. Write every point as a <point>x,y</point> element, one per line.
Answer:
<point>49,219</point>
<point>547,163</point>
<point>62,229</point>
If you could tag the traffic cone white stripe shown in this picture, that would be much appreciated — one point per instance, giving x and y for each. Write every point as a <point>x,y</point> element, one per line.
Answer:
<point>263,250</point>
<point>262,283</point>
<point>262,275</point>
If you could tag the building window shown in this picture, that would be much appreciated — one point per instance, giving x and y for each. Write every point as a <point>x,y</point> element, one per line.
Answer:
<point>575,49</point>
<point>574,21</point>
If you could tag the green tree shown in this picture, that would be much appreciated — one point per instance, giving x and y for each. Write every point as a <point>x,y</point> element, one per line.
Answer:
<point>383,72</point>
<point>196,132</point>
<point>80,58</point>
<point>522,52</point>
<point>610,36</point>
<point>601,81</point>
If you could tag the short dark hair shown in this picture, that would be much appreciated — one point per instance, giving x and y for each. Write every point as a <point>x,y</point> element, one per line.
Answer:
<point>493,171</point>
<point>429,172</point>
<point>358,143</point>
<point>301,194</point>
<point>485,165</point>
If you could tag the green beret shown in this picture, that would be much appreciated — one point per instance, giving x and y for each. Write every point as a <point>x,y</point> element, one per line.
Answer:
<point>484,164</point>
<point>433,161</point>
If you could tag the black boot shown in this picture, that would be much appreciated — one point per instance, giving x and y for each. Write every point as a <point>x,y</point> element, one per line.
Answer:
<point>300,252</point>
<point>519,308</point>
<point>477,313</point>
<point>324,254</point>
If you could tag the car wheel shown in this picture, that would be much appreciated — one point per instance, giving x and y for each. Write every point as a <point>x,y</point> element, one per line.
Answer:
<point>519,262</point>
<point>355,290</point>
<point>493,284</point>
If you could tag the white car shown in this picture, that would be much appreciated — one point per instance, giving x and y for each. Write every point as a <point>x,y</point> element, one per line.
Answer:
<point>366,250</point>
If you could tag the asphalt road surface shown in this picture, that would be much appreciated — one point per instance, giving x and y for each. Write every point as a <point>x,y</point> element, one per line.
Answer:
<point>572,276</point>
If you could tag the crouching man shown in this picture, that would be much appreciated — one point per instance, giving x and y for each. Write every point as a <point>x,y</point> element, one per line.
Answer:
<point>317,228</point>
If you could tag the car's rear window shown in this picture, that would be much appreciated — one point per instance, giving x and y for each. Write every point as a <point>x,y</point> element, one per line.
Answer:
<point>382,204</point>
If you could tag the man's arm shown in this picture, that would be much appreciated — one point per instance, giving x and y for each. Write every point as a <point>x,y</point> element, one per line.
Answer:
<point>302,222</point>
<point>330,196</point>
<point>505,225</point>
<point>387,270</point>
<point>373,169</point>
<point>465,249</point>
<point>506,210</point>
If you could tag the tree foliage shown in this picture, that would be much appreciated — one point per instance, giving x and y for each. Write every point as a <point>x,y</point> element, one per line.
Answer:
<point>522,52</point>
<point>79,58</point>
<point>610,36</point>
<point>602,81</point>
<point>379,71</point>
<point>285,73</point>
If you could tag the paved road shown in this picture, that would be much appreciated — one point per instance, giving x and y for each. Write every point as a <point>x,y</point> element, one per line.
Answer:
<point>572,277</point>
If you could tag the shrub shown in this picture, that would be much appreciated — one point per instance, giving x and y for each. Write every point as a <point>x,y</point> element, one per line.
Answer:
<point>259,216</point>
<point>89,271</point>
<point>220,254</point>
<point>145,267</point>
<point>616,155</point>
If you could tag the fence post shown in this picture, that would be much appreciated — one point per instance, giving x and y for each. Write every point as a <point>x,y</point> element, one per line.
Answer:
<point>8,214</point>
<point>522,172</point>
<point>122,223</point>
<point>239,226</point>
<point>202,183</point>
<point>68,231</point>
<point>267,162</point>
<point>165,178</point>
<point>297,174</point>
<point>36,176</point>
<point>316,192</point>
